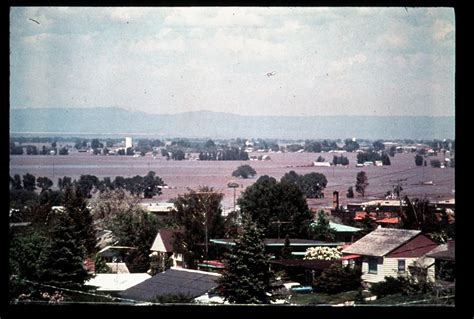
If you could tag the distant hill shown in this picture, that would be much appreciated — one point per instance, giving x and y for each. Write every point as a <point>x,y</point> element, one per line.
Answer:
<point>117,121</point>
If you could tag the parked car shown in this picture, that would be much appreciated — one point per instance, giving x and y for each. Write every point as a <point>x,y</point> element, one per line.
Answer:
<point>301,289</point>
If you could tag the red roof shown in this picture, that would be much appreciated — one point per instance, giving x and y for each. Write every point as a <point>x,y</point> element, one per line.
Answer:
<point>349,257</point>
<point>361,216</point>
<point>388,220</point>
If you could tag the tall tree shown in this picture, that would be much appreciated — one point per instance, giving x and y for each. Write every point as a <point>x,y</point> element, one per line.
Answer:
<point>198,215</point>
<point>44,183</point>
<point>311,184</point>
<point>76,207</point>
<point>277,208</point>
<point>286,250</point>
<point>16,182</point>
<point>350,192</point>
<point>321,229</point>
<point>378,146</point>
<point>385,159</point>
<point>29,182</point>
<point>152,184</point>
<point>64,182</point>
<point>246,278</point>
<point>361,183</point>
<point>86,184</point>
<point>63,267</point>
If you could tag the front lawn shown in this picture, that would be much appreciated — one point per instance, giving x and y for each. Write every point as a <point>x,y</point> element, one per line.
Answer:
<point>321,298</point>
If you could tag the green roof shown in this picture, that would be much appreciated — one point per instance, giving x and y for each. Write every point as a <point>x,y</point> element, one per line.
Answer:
<point>341,228</point>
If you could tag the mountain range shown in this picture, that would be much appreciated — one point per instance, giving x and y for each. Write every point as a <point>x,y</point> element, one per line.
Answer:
<point>205,124</point>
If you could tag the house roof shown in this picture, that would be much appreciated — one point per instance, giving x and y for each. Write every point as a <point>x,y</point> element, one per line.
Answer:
<point>388,220</point>
<point>381,241</point>
<point>118,268</point>
<point>116,282</point>
<point>279,242</point>
<point>189,282</point>
<point>442,252</point>
<point>310,264</point>
<point>163,241</point>
<point>340,228</point>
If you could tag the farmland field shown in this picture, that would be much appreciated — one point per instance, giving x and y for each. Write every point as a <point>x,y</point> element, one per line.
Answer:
<point>179,175</point>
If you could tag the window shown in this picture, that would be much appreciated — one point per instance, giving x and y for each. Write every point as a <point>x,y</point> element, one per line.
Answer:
<point>401,266</point>
<point>372,265</point>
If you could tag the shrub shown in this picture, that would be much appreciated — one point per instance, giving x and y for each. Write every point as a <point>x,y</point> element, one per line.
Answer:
<point>322,253</point>
<point>338,278</point>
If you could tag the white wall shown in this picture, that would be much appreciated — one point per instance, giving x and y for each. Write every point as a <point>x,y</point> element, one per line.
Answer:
<point>385,267</point>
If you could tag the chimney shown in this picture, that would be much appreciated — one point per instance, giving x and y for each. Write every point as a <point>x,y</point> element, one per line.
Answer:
<point>335,200</point>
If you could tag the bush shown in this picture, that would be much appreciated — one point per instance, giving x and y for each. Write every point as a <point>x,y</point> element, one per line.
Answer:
<point>322,253</point>
<point>390,286</point>
<point>401,285</point>
<point>244,171</point>
<point>337,278</point>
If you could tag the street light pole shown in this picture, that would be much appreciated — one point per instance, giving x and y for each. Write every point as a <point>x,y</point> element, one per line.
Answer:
<point>234,186</point>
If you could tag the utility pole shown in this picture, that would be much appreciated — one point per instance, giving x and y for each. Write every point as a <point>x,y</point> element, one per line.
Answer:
<point>398,188</point>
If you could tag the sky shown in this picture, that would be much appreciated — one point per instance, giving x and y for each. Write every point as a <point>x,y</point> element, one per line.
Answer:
<point>241,60</point>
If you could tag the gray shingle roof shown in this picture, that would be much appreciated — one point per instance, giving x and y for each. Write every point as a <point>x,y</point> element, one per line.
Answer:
<point>381,241</point>
<point>173,281</point>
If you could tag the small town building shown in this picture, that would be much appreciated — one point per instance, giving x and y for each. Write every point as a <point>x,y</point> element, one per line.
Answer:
<point>390,252</point>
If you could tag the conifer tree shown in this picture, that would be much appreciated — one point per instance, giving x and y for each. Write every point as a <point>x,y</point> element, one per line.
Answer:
<point>286,250</point>
<point>76,207</point>
<point>63,266</point>
<point>246,279</point>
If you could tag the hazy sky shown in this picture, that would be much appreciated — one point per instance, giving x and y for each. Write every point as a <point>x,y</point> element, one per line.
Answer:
<point>324,61</point>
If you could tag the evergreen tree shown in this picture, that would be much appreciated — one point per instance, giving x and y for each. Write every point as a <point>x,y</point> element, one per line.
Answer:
<point>246,278</point>
<point>76,208</point>
<point>286,250</point>
<point>63,266</point>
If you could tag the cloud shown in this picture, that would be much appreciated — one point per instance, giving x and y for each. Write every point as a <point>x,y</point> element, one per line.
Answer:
<point>441,29</point>
<point>248,46</point>
<point>204,17</point>
<point>36,39</point>
<point>151,44</point>
<point>342,65</point>
<point>127,14</point>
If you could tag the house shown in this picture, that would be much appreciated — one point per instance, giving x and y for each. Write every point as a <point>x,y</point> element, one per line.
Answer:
<point>344,233</point>
<point>163,245</point>
<point>114,283</point>
<point>321,164</point>
<point>158,208</point>
<point>444,258</point>
<point>302,270</point>
<point>389,252</point>
<point>174,281</point>
<point>274,245</point>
